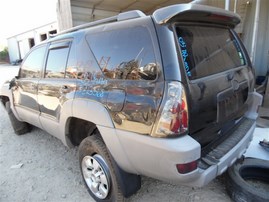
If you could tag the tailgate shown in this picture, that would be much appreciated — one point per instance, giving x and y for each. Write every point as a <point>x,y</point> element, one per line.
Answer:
<point>218,78</point>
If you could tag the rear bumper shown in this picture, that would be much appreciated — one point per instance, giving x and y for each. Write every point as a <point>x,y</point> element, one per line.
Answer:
<point>227,160</point>
<point>157,157</point>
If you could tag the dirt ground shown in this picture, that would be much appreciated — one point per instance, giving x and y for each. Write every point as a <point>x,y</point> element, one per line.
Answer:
<point>38,167</point>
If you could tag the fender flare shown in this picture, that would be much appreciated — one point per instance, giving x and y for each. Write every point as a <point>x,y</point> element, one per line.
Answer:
<point>87,110</point>
<point>92,111</point>
<point>5,91</point>
<point>96,113</point>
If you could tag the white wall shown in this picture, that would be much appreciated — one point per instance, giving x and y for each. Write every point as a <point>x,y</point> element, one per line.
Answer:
<point>18,45</point>
<point>13,48</point>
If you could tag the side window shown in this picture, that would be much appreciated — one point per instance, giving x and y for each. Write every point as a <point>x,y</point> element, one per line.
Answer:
<point>57,59</point>
<point>33,64</point>
<point>71,68</point>
<point>125,54</point>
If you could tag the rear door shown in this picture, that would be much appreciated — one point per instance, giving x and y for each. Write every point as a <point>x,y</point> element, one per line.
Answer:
<point>56,87</point>
<point>218,78</point>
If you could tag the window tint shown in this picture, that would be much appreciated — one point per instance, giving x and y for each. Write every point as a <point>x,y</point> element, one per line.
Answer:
<point>33,64</point>
<point>208,50</point>
<point>125,54</point>
<point>71,68</point>
<point>56,62</point>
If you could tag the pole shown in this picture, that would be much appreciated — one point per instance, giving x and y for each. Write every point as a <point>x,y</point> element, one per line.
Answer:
<point>235,5</point>
<point>255,31</point>
<point>227,5</point>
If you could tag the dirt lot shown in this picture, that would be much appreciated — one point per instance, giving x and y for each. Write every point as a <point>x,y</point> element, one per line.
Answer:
<point>38,167</point>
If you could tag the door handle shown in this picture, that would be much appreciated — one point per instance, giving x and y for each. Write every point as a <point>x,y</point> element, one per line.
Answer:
<point>65,89</point>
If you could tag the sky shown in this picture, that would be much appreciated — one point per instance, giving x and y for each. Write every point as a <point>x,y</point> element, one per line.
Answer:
<point>17,16</point>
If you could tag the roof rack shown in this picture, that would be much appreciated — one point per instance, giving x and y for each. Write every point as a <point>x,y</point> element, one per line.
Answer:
<point>120,17</point>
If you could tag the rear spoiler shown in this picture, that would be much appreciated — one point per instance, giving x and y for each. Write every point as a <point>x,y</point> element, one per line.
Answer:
<point>195,13</point>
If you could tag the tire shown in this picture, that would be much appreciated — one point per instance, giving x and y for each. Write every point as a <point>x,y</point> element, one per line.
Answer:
<point>18,126</point>
<point>237,185</point>
<point>95,158</point>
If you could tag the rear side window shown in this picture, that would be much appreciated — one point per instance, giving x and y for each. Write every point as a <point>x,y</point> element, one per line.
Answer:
<point>32,66</point>
<point>57,59</point>
<point>125,54</point>
<point>208,50</point>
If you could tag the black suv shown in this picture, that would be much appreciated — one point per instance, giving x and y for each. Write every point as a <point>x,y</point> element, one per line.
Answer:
<point>168,96</point>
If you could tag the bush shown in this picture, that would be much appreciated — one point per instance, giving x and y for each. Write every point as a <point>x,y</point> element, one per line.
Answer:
<point>4,55</point>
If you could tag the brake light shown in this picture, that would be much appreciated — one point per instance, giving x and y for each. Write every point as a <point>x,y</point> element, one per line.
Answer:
<point>174,116</point>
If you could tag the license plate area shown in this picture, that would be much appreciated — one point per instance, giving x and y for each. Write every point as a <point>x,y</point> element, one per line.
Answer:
<point>230,103</point>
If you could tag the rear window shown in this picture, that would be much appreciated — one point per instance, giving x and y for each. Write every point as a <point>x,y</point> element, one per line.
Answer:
<point>208,50</point>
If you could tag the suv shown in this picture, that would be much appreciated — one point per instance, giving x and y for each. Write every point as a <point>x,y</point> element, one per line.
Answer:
<point>169,96</point>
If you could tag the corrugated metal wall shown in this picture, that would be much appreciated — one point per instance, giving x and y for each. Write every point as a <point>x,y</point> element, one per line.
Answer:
<point>81,15</point>
<point>262,51</point>
<point>261,59</point>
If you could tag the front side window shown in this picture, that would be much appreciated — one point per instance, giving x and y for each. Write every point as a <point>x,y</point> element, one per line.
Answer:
<point>125,54</point>
<point>32,66</point>
<point>56,62</point>
<point>208,50</point>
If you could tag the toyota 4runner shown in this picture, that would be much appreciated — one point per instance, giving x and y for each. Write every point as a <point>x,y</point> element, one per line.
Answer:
<point>170,96</point>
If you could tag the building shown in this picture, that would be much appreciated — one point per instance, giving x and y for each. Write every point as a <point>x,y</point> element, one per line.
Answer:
<point>20,44</point>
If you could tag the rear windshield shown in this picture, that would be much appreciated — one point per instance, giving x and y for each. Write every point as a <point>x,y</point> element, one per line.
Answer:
<point>208,50</point>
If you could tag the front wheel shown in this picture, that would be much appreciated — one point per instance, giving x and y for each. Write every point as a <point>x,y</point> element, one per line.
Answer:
<point>97,170</point>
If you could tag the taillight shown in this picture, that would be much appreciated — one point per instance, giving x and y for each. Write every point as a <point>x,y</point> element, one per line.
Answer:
<point>174,116</point>
<point>187,167</point>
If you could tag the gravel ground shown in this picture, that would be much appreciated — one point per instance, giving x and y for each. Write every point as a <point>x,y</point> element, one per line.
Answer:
<point>38,167</point>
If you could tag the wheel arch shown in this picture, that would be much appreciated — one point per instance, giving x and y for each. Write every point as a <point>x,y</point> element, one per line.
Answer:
<point>90,117</point>
<point>82,118</point>
<point>5,96</point>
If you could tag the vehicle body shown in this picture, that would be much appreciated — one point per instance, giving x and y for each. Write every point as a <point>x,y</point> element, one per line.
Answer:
<point>170,96</point>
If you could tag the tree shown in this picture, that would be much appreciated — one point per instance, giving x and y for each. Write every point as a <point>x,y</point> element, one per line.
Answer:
<point>4,57</point>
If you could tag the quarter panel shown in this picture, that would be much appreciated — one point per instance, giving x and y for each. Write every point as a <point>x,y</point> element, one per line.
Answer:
<point>92,111</point>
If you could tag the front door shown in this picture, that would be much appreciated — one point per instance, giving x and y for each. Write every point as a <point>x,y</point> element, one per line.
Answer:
<point>25,92</point>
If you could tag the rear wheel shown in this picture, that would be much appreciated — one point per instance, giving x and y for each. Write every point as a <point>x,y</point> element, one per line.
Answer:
<point>97,170</point>
<point>18,126</point>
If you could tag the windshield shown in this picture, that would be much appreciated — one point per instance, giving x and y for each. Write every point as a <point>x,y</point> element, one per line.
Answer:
<point>208,50</point>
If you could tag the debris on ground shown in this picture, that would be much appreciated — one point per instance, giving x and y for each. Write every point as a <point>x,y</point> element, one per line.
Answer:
<point>17,166</point>
<point>265,144</point>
